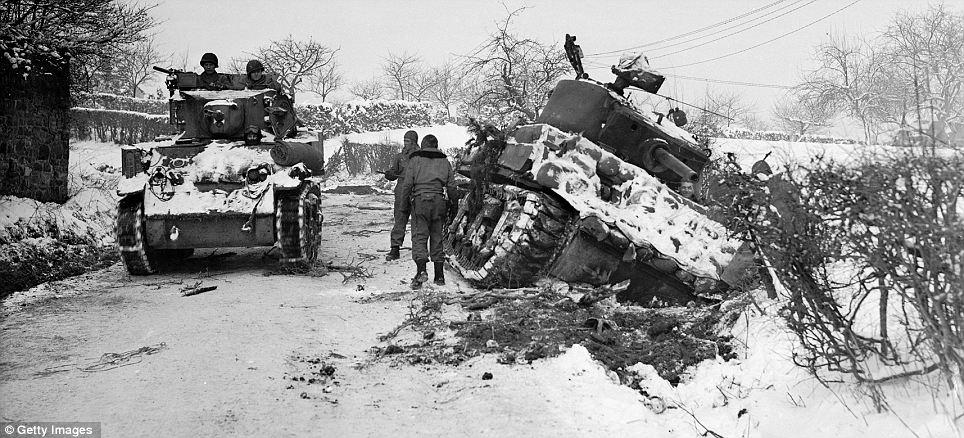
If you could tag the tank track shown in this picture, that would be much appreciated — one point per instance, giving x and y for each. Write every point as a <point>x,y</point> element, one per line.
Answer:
<point>508,238</point>
<point>298,222</point>
<point>138,258</point>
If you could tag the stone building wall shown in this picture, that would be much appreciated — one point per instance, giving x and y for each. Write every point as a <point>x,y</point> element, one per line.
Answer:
<point>34,131</point>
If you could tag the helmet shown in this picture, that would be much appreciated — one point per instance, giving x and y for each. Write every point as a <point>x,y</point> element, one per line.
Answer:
<point>254,65</point>
<point>209,57</point>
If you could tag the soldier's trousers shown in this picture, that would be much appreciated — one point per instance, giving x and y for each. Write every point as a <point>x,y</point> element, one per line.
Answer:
<point>428,218</point>
<point>403,209</point>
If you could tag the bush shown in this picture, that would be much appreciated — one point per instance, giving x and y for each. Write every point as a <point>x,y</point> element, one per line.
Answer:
<point>119,103</point>
<point>359,158</point>
<point>123,127</point>
<point>746,134</point>
<point>368,116</point>
<point>860,249</point>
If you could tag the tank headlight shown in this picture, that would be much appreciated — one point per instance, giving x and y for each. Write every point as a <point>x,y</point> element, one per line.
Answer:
<point>257,174</point>
<point>299,171</point>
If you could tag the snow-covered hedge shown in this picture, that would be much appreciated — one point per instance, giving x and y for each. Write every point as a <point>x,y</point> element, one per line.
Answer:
<point>365,116</point>
<point>120,119</point>
<point>123,127</point>
<point>121,103</point>
<point>746,134</point>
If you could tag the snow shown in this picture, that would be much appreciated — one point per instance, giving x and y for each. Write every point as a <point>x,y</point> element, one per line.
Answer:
<point>780,399</point>
<point>648,213</point>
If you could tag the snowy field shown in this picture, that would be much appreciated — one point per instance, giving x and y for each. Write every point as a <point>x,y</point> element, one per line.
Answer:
<point>761,394</point>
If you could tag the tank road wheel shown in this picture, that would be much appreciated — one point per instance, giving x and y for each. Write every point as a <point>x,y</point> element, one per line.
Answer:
<point>298,225</point>
<point>510,239</point>
<point>137,256</point>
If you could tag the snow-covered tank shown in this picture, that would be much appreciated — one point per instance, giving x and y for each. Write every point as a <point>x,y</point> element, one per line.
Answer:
<point>238,174</point>
<point>583,195</point>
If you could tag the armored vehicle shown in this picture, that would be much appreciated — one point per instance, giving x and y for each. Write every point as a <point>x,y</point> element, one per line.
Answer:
<point>583,195</point>
<point>237,175</point>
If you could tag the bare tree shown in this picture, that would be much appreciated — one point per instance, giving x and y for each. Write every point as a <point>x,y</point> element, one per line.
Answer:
<point>851,78</point>
<point>926,50</point>
<point>801,115</point>
<point>295,61</point>
<point>515,73</point>
<point>87,71</point>
<point>368,90</point>
<point>448,85</point>
<point>135,64</point>
<point>730,105</point>
<point>754,122</point>
<point>327,80</point>
<point>399,72</point>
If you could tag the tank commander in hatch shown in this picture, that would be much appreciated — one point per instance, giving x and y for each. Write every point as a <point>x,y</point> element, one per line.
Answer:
<point>210,79</point>
<point>257,80</point>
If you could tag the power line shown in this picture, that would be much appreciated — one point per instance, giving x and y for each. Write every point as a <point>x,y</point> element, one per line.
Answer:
<point>740,83</point>
<point>729,34</point>
<point>727,21</point>
<point>716,81</point>
<point>769,40</point>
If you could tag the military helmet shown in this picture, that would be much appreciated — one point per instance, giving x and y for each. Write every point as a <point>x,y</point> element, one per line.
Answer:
<point>209,57</point>
<point>253,66</point>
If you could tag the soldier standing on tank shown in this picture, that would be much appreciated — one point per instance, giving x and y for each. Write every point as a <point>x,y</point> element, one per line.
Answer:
<point>427,180</point>
<point>210,79</point>
<point>257,80</point>
<point>403,206</point>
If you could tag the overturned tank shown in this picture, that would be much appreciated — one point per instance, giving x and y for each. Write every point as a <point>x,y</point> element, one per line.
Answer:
<point>237,175</point>
<point>583,195</point>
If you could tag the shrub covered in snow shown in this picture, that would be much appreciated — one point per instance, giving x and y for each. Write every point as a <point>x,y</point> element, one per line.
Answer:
<point>746,134</point>
<point>364,116</point>
<point>871,257</point>
<point>359,158</point>
<point>121,103</point>
<point>123,127</point>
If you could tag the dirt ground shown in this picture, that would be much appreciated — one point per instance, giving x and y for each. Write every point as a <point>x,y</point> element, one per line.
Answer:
<point>281,355</point>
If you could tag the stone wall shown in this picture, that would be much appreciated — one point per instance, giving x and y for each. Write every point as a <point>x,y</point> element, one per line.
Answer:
<point>34,131</point>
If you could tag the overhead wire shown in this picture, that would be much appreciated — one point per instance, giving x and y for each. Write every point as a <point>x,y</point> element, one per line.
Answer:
<point>674,37</point>
<point>725,82</point>
<point>729,34</point>
<point>769,40</point>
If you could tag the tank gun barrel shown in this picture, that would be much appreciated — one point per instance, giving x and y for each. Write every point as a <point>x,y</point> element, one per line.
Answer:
<point>165,70</point>
<point>667,159</point>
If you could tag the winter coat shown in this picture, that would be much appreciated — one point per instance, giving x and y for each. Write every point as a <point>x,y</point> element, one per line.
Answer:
<point>214,81</point>
<point>428,171</point>
<point>265,83</point>
<point>397,169</point>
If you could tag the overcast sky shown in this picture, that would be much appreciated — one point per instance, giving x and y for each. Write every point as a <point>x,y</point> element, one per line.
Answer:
<point>366,31</point>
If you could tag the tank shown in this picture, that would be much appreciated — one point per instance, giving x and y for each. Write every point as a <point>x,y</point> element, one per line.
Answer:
<point>239,174</point>
<point>586,195</point>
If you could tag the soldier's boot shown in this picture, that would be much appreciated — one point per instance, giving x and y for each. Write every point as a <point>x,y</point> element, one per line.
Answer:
<point>392,254</point>
<point>440,273</point>
<point>421,275</point>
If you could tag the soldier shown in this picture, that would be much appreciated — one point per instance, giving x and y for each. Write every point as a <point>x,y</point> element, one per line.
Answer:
<point>403,207</point>
<point>257,80</point>
<point>428,176</point>
<point>210,79</point>
<point>688,191</point>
